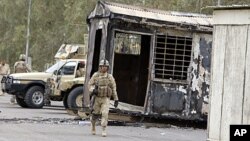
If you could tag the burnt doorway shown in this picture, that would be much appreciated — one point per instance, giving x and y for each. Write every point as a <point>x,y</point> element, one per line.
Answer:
<point>95,61</point>
<point>130,70</point>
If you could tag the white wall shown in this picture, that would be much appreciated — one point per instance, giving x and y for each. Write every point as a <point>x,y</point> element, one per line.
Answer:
<point>230,79</point>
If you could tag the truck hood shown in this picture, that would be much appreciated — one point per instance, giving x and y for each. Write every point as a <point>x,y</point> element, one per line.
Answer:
<point>32,75</point>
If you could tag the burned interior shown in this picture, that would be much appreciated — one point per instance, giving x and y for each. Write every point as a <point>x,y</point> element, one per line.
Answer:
<point>160,63</point>
<point>131,58</point>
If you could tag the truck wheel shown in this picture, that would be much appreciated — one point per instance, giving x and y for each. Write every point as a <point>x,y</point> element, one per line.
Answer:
<point>21,102</point>
<point>34,97</point>
<point>75,99</point>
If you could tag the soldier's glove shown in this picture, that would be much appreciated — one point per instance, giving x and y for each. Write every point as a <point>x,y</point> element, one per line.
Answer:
<point>116,103</point>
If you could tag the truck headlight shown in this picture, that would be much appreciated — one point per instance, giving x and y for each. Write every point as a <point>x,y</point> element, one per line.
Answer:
<point>17,81</point>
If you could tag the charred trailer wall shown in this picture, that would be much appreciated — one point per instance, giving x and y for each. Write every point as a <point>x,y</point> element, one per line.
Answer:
<point>181,80</point>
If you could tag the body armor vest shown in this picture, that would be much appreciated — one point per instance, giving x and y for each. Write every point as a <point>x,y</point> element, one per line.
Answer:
<point>104,89</point>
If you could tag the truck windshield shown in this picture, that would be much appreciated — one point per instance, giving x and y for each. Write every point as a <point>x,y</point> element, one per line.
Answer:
<point>56,66</point>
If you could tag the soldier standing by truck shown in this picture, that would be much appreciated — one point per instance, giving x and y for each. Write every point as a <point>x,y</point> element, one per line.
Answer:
<point>20,67</point>
<point>4,70</point>
<point>103,86</point>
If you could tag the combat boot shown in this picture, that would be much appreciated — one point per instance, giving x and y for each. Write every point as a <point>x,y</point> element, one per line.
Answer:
<point>104,133</point>
<point>93,128</point>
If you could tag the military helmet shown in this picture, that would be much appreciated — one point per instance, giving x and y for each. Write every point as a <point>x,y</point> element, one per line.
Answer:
<point>22,57</point>
<point>104,63</point>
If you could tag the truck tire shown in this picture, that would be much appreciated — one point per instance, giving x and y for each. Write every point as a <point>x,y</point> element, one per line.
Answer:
<point>34,97</point>
<point>65,102</point>
<point>75,99</point>
<point>21,102</point>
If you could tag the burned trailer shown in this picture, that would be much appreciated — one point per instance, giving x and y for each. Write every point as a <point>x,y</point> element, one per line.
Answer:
<point>159,59</point>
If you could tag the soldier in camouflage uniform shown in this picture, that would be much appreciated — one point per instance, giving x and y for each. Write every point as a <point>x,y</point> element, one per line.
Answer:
<point>20,67</point>
<point>4,70</point>
<point>106,89</point>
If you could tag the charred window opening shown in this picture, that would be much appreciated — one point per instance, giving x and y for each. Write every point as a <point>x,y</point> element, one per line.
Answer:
<point>172,56</point>
<point>126,43</point>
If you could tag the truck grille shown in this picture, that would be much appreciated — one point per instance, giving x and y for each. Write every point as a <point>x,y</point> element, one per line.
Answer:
<point>7,79</point>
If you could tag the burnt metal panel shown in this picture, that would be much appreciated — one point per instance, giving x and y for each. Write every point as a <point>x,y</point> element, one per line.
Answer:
<point>205,51</point>
<point>167,98</point>
<point>177,17</point>
<point>90,55</point>
<point>200,75</point>
<point>135,14</point>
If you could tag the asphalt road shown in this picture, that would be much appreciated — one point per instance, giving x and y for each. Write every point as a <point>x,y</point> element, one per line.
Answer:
<point>54,124</point>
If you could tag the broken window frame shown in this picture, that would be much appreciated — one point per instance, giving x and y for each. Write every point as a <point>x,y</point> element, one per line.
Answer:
<point>185,79</point>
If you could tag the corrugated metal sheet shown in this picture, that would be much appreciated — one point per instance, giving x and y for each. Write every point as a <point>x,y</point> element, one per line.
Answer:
<point>170,16</point>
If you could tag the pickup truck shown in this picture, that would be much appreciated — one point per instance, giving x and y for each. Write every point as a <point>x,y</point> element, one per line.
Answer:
<point>29,88</point>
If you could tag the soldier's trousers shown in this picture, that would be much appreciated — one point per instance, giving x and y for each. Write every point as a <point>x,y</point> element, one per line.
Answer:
<point>101,106</point>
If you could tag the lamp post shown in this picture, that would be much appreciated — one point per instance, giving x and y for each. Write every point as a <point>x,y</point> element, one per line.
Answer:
<point>28,34</point>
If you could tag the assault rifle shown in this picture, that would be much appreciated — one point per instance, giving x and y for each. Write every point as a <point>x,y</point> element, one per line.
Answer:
<point>92,100</point>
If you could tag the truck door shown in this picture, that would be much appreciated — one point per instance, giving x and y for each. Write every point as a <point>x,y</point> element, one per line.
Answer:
<point>67,71</point>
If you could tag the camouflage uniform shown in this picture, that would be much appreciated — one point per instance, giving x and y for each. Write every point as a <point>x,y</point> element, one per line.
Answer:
<point>106,90</point>
<point>20,67</point>
<point>4,70</point>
